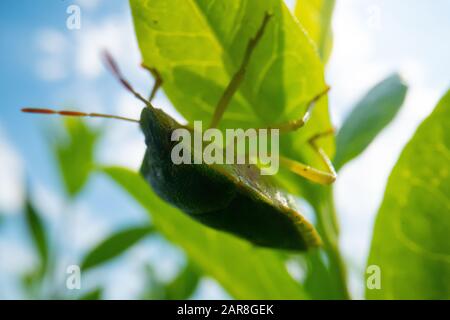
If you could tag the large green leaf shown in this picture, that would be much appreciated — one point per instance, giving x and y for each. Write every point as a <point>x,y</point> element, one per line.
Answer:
<point>75,154</point>
<point>315,17</point>
<point>197,45</point>
<point>245,271</point>
<point>38,235</point>
<point>411,237</point>
<point>114,245</point>
<point>374,112</point>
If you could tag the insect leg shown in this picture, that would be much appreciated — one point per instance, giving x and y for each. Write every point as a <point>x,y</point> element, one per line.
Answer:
<point>308,172</point>
<point>158,80</point>
<point>237,78</point>
<point>298,123</point>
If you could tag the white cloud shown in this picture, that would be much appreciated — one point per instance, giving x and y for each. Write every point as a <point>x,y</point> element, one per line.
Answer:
<point>209,289</point>
<point>124,283</point>
<point>51,69</point>
<point>115,34</point>
<point>124,143</point>
<point>126,279</point>
<point>127,105</point>
<point>52,46</point>
<point>123,146</point>
<point>88,228</point>
<point>88,4</point>
<point>352,68</point>
<point>51,41</point>
<point>11,177</point>
<point>79,53</point>
<point>76,223</point>
<point>49,203</point>
<point>15,258</point>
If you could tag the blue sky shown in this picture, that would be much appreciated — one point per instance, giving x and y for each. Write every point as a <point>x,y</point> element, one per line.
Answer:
<point>45,64</point>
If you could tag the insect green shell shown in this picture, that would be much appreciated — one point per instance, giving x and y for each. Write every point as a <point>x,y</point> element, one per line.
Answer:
<point>231,198</point>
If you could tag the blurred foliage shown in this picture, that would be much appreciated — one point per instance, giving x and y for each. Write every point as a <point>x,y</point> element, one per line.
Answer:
<point>374,112</point>
<point>114,245</point>
<point>411,237</point>
<point>38,235</point>
<point>95,294</point>
<point>74,151</point>
<point>181,287</point>
<point>184,284</point>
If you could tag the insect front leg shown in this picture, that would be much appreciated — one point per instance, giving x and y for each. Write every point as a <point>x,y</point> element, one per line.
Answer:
<point>158,80</point>
<point>237,78</point>
<point>308,172</point>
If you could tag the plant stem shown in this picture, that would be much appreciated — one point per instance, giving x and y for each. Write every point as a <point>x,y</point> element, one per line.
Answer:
<point>326,214</point>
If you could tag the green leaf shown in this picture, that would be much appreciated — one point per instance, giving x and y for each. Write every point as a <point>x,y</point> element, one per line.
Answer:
<point>411,236</point>
<point>374,112</point>
<point>315,16</point>
<point>245,271</point>
<point>31,282</point>
<point>115,245</point>
<point>197,45</point>
<point>154,287</point>
<point>95,294</point>
<point>184,285</point>
<point>75,154</point>
<point>37,231</point>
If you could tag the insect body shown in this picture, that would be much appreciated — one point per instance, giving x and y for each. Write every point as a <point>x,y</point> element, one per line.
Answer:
<point>232,198</point>
<point>229,197</point>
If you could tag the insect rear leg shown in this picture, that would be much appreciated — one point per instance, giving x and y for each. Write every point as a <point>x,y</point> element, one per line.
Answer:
<point>308,172</point>
<point>158,80</point>
<point>304,170</point>
<point>237,78</point>
<point>298,123</point>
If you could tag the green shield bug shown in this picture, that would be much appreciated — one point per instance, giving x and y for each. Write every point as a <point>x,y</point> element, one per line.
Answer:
<point>234,198</point>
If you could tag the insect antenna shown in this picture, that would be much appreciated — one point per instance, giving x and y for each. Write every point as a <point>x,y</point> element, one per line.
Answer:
<point>70,113</point>
<point>114,68</point>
